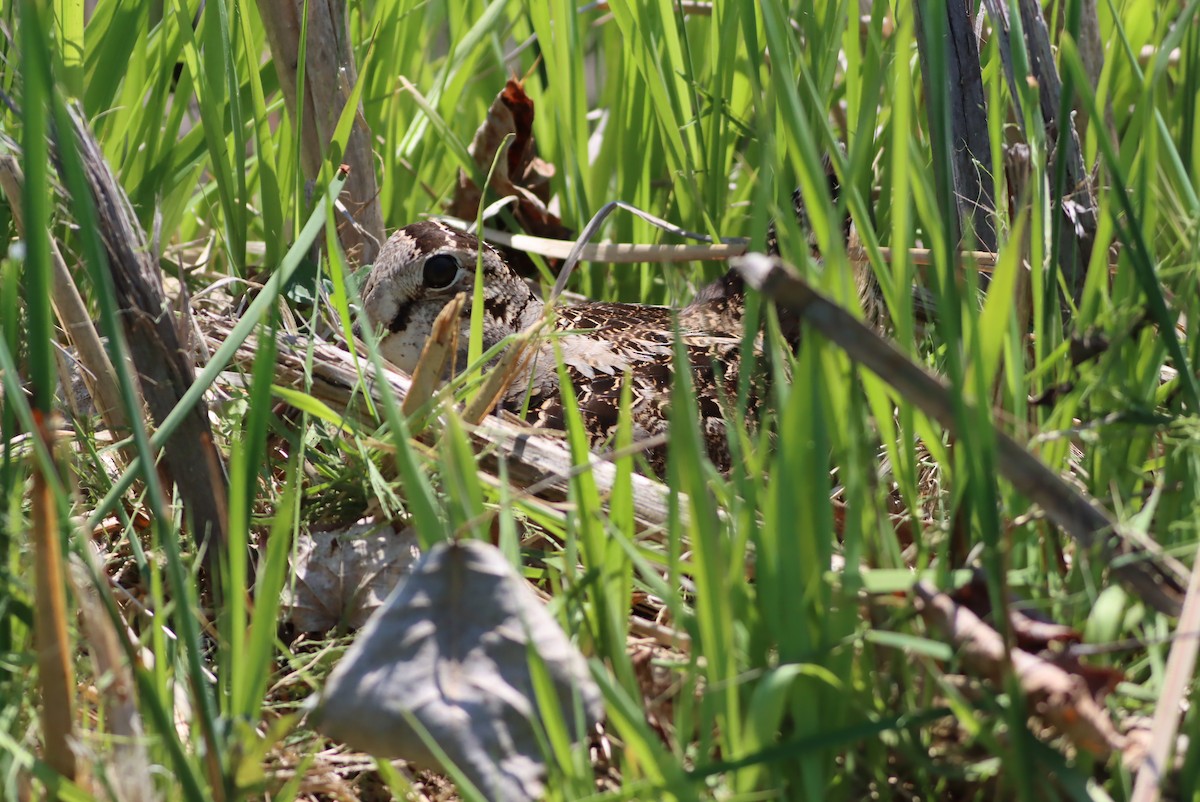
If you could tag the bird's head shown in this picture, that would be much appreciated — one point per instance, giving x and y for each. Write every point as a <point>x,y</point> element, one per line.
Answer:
<point>420,269</point>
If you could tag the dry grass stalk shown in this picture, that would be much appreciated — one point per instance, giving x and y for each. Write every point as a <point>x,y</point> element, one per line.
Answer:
<point>439,349</point>
<point>1172,700</point>
<point>1157,578</point>
<point>73,316</point>
<point>514,360</point>
<point>127,759</point>
<point>56,677</point>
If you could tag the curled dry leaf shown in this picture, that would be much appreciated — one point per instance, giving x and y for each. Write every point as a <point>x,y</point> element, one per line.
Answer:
<point>1059,697</point>
<point>1037,633</point>
<point>521,173</point>
<point>343,576</point>
<point>449,656</point>
<point>1032,629</point>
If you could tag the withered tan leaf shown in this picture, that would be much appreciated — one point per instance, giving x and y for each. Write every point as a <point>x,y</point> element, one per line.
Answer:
<point>344,576</point>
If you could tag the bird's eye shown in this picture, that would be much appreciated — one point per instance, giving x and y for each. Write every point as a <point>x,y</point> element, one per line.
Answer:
<point>440,271</point>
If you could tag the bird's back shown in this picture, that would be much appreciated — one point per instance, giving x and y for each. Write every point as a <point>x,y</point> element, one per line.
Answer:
<point>605,345</point>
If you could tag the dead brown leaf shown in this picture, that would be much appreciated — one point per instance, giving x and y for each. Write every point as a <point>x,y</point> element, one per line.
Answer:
<point>1059,697</point>
<point>521,173</point>
<point>343,576</point>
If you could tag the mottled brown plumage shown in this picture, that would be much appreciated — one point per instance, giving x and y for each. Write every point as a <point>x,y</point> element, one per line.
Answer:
<point>426,264</point>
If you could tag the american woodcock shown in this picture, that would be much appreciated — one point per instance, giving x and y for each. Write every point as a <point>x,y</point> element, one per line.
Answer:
<point>424,265</point>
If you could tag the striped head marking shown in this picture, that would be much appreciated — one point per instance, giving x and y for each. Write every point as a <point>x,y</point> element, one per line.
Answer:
<point>419,270</point>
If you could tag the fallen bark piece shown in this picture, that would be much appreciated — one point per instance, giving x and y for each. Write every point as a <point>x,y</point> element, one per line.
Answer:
<point>532,459</point>
<point>444,667</point>
<point>165,369</point>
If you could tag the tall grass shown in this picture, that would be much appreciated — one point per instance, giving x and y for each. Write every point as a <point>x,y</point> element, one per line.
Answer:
<point>804,678</point>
